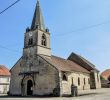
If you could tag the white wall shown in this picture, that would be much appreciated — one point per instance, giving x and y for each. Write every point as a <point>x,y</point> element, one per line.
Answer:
<point>4,84</point>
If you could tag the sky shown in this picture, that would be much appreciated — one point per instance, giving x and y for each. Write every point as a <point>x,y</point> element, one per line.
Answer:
<point>79,26</point>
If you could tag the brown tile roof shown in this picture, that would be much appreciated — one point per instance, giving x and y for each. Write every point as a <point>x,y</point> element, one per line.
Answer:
<point>4,71</point>
<point>106,74</point>
<point>82,61</point>
<point>65,65</point>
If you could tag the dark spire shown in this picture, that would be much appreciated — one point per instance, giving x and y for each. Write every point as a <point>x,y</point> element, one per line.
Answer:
<point>38,21</point>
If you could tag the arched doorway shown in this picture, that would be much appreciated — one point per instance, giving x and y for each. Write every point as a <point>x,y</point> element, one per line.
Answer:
<point>29,87</point>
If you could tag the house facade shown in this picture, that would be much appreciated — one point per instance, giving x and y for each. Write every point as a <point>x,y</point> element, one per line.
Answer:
<point>39,73</point>
<point>4,79</point>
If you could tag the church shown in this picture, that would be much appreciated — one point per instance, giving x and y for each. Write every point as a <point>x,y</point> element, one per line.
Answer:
<point>39,73</point>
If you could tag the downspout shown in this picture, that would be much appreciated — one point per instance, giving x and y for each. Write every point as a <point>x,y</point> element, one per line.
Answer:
<point>60,84</point>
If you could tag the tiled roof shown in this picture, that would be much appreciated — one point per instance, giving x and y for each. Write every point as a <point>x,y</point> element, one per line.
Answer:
<point>65,65</point>
<point>82,61</point>
<point>4,71</point>
<point>106,74</point>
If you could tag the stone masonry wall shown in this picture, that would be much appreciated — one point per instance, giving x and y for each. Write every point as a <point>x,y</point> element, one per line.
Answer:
<point>66,85</point>
<point>46,79</point>
<point>15,82</point>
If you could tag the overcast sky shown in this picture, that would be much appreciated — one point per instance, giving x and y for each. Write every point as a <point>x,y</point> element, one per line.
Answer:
<point>71,23</point>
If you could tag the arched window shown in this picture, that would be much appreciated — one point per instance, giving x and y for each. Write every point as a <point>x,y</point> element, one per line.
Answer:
<point>88,81</point>
<point>64,78</point>
<point>30,42</point>
<point>84,81</point>
<point>72,79</point>
<point>44,41</point>
<point>78,81</point>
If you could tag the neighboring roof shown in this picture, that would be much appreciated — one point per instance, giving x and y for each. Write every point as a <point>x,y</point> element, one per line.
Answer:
<point>65,65</point>
<point>106,74</point>
<point>82,61</point>
<point>4,71</point>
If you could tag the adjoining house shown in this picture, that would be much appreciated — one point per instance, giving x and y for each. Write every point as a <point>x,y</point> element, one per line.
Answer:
<point>39,73</point>
<point>105,78</point>
<point>106,74</point>
<point>4,79</point>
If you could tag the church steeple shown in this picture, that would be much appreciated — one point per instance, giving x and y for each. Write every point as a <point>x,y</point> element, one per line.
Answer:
<point>38,21</point>
<point>37,38</point>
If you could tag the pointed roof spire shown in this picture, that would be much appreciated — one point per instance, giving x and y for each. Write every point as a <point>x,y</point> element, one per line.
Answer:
<point>38,21</point>
<point>38,2</point>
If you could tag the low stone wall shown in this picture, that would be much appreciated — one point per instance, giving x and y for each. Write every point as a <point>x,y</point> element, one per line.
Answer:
<point>105,84</point>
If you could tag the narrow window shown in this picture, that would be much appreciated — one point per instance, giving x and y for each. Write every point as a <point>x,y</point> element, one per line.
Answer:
<point>44,42</point>
<point>72,81</point>
<point>84,81</point>
<point>30,42</point>
<point>78,81</point>
<point>64,77</point>
<point>88,81</point>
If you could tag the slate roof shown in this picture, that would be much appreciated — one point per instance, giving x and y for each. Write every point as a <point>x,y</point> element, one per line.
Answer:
<point>4,71</point>
<point>65,65</point>
<point>38,18</point>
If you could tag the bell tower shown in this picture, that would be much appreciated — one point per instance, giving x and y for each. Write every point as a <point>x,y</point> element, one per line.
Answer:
<point>37,38</point>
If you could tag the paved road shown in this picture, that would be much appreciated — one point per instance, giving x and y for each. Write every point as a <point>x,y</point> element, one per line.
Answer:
<point>100,94</point>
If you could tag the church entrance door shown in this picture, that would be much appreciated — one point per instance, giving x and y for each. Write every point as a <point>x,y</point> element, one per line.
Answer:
<point>29,87</point>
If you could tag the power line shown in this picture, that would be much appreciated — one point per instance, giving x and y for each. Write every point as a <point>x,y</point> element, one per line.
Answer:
<point>77,30</point>
<point>15,51</point>
<point>63,34</point>
<point>14,44</point>
<point>9,7</point>
<point>82,29</point>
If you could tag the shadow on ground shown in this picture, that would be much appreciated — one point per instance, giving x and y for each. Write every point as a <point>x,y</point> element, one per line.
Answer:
<point>86,94</point>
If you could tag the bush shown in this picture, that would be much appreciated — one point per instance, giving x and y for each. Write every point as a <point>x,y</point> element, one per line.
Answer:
<point>101,77</point>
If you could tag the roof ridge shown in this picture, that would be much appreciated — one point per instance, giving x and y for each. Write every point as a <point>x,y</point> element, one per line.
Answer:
<point>67,65</point>
<point>105,71</point>
<point>4,70</point>
<point>83,58</point>
<point>59,57</point>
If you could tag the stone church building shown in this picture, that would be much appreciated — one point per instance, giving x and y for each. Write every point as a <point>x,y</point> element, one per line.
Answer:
<point>39,73</point>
